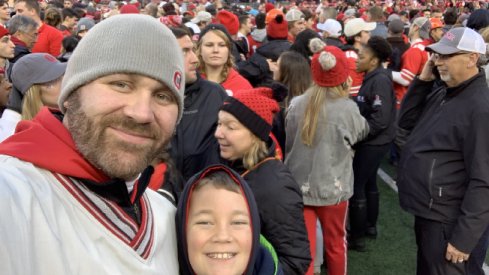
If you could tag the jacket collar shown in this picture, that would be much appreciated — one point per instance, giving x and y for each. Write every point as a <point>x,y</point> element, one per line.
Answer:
<point>479,78</point>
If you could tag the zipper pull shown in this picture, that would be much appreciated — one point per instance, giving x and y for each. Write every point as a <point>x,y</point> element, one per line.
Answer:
<point>431,202</point>
<point>439,191</point>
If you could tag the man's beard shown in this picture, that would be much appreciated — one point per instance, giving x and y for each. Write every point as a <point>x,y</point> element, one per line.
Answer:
<point>116,158</point>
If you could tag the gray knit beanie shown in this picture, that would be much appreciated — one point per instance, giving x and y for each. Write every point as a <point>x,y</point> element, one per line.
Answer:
<point>129,43</point>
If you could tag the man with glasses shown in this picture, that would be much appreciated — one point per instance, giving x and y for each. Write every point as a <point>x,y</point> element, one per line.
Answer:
<point>49,37</point>
<point>24,33</point>
<point>444,167</point>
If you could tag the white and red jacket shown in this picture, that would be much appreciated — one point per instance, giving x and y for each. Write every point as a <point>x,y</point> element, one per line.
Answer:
<point>53,224</point>
<point>412,63</point>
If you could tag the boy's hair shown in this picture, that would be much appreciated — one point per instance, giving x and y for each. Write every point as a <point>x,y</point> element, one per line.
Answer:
<point>220,180</point>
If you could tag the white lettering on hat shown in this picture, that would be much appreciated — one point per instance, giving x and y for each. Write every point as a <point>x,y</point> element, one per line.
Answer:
<point>450,36</point>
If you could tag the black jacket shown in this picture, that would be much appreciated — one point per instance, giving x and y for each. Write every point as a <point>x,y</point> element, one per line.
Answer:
<point>194,146</point>
<point>281,207</point>
<point>376,101</point>
<point>256,69</point>
<point>444,166</point>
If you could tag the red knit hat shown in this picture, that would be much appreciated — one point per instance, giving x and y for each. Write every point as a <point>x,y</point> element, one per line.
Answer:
<point>229,20</point>
<point>129,8</point>
<point>268,7</point>
<point>254,108</point>
<point>272,14</point>
<point>329,65</point>
<point>277,28</point>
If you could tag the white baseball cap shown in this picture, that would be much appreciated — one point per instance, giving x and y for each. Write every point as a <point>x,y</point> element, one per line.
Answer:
<point>330,26</point>
<point>458,40</point>
<point>356,25</point>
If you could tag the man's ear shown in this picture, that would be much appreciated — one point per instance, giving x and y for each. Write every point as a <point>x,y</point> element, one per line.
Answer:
<point>473,58</point>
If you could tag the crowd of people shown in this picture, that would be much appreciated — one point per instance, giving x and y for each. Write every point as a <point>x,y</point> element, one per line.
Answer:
<point>212,137</point>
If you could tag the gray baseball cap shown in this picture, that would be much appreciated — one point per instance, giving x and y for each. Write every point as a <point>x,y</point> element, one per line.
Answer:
<point>458,40</point>
<point>202,16</point>
<point>424,26</point>
<point>35,68</point>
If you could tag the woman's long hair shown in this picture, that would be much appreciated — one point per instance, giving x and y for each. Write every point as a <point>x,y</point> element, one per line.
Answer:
<point>317,97</point>
<point>32,102</point>
<point>295,73</point>
<point>230,62</point>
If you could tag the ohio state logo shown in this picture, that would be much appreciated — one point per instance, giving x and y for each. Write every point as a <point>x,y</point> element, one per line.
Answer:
<point>177,79</point>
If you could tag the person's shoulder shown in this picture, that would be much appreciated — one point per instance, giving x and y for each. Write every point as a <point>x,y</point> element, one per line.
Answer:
<point>52,30</point>
<point>212,88</point>
<point>160,204</point>
<point>236,79</point>
<point>18,177</point>
<point>274,170</point>
<point>299,100</point>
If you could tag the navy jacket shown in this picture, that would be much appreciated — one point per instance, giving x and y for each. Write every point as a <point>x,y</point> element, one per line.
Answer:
<point>376,101</point>
<point>194,146</point>
<point>281,208</point>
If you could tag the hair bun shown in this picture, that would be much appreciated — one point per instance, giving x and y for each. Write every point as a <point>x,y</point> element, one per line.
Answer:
<point>316,45</point>
<point>327,60</point>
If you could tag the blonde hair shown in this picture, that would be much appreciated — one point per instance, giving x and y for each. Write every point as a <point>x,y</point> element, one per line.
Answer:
<point>484,32</point>
<point>32,102</point>
<point>230,62</point>
<point>317,96</point>
<point>256,153</point>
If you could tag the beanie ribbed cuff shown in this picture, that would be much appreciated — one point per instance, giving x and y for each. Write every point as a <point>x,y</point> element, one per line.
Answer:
<point>126,44</point>
<point>248,118</point>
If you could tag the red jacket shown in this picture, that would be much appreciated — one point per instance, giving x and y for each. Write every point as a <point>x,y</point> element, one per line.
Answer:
<point>48,41</point>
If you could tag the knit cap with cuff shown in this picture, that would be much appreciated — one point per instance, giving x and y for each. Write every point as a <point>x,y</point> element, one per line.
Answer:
<point>329,65</point>
<point>115,45</point>
<point>255,108</point>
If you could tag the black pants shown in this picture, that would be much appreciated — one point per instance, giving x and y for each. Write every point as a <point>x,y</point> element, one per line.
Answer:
<point>432,241</point>
<point>364,204</point>
<point>365,165</point>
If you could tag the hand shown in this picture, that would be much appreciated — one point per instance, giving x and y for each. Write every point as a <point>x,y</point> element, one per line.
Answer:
<point>454,255</point>
<point>427,72</point>
<point>272,65</point>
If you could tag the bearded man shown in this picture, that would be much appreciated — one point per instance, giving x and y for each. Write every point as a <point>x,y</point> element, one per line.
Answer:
<point>73,196</point>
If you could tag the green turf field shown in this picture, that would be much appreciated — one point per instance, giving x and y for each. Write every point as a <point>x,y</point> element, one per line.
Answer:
<point>394,250</point>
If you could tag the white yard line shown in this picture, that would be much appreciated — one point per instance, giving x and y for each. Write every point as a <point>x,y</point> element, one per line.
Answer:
<point>392,184</point>
<point>387,179</point>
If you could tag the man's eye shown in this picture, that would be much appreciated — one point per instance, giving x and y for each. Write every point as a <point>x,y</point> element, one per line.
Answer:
<point>165,97</point>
